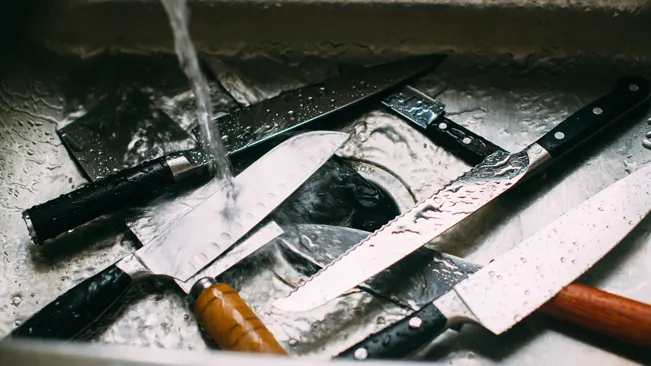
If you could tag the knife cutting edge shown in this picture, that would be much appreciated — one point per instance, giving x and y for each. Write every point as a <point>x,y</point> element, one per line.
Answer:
<point>514,285</point>
<point>193,241</point>
<point>255,124</point>
<point>460,198</point>
<point>427,274</point>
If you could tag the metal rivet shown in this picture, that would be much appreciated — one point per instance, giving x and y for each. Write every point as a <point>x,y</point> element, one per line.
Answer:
<point>443,125</point>
<point>597,110</point>
<point>559,135</point>
<point>415,322</point>
<point>633,87</point>
<point>361,354</point>
<point>466,140</point>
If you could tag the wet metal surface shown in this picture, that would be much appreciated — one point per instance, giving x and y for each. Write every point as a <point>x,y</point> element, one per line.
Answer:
<point>511,102</point>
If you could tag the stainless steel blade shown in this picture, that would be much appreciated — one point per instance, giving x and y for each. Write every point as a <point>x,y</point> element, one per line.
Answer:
<point>213,226</point>
<point>418,226</point>
<point>294,108</point>
<point>422,276</point>
<point>245,247</point>
<point>517,283</point>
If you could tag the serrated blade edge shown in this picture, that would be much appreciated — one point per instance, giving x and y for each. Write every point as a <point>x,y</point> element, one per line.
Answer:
<point>411,230</point>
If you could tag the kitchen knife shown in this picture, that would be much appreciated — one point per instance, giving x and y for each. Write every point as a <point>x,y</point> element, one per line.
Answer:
<point>426,274</point>
<point>426,114</point>
<point>514,285</point>
<point>247,128</point>
<point>195,239</point>
<point>460,198</point>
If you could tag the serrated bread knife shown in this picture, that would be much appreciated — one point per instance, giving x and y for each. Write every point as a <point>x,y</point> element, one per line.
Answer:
<point>430,218</point>
<point>514,285</point>
<point>194,240</point>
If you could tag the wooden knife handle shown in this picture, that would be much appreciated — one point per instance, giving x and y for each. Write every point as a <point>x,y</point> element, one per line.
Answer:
<point>231,323</point>
<point>603,312</point>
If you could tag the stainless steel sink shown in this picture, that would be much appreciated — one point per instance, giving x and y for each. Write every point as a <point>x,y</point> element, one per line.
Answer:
<point>537,70</point>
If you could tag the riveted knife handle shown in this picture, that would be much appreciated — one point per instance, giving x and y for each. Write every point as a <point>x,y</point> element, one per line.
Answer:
<point>426,115</point>
<point>127,188</point>
<point>231,323</point>
<point>602,312</point>
<point>629,92</point>
<point>402,338</point>
<point>71,313</point>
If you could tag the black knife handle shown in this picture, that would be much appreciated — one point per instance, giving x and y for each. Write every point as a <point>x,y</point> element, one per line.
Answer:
<point>71,313</point>
<point>629,92</point>
<point>402,338</point>
<point>426,114</point>
<point>127,188</point>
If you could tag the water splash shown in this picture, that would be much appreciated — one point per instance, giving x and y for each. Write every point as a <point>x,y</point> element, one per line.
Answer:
<point>177,12</point>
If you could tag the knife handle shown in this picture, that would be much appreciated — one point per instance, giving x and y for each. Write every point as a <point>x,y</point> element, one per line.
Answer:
<point>629,92</point>
<point>602,312</point>
<point>231,323</point>
<point>127,188</point>
<point>402,338</point>
<point>71,313</point>
<point>426,114</point>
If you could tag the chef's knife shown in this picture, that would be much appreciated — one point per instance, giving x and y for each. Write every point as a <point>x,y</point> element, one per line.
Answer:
<point>460,198</point>
<point>247,128</point>
<point>514,285</point>
<point>426,274</point>
<point>195,239</point>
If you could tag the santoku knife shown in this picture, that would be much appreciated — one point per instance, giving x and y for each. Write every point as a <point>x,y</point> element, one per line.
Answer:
<point>251,126</point>
<point>460,198</point>
<point>181,245</point>
<point>427,274</point>
<point>514,285</point>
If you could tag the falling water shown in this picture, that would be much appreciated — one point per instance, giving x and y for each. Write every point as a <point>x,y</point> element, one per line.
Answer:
<point>177,12</point>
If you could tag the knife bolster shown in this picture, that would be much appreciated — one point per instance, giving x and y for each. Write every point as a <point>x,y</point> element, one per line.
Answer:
<point>231,323</point>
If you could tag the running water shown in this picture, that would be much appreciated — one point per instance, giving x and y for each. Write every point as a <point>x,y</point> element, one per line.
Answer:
<point>177,11</point>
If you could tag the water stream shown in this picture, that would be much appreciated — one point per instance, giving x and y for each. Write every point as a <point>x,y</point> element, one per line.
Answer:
<point>177,12</point>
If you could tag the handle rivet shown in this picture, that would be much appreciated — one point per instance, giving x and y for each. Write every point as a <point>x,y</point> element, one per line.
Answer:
<point>361,354</point>
<point>559,135</point>
<point>415,322</point>
<point>633,87</point>
<point>443,125</point>
<point>597,110</point>
<point>466,140</point>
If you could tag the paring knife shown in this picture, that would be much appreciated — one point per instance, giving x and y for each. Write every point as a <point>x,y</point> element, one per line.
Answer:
<point>180,246</point>
<point>514,285</point>
<point>253,125</point>
<point>426,274</point>
<point>460,198</point>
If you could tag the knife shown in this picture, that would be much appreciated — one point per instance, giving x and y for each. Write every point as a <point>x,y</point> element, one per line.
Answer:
<point>460,198</point>
<point>514,285</point>
<point>250,126</point>
<point>426,274</point>
<point>181,245</point>
<point>426,114</point>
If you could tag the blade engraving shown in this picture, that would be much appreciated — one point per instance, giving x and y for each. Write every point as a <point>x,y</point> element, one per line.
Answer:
<point>415,228</point>
<point>212,227</point>
<point>517,283</point>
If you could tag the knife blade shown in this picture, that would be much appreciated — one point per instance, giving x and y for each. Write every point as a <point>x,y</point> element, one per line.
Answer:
<point>460,198</point>
<point>426,274</point>
<point>260,189</point>
<point>514,285</point>
<point>246,128</point>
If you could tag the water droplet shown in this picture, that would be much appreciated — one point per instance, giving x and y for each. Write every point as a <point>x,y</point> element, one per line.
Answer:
<point>260,206</point>
<point>293,342</point>
<point>600,208</point>
<point>517,317</point>
<point>491,273</point>
<point>380,320</point>
<point>527,292</point>
<point>573,261</point>
<point>562,259</point>
<point>17,323</point>
<point>523,259</point>
<point>224,236</point>
<point>16,300</point>
<point>499,277</point>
